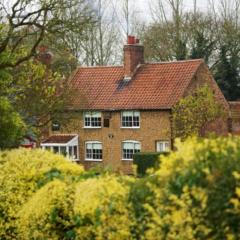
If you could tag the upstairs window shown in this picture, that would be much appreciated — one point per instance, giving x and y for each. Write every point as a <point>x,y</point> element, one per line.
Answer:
<point>92,120</point>
<point>129,148</point>
<point>93,151</point>
<point>131,119</point>
<point>163,146</point>
<point>56,126</point>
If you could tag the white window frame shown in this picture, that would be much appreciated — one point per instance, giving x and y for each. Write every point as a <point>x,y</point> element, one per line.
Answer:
<point>91,113</point>
<point>165,143</point>
<point>85,152</point>
<point>132,112</point>
<point>72,143</point>
<point>132,142</point>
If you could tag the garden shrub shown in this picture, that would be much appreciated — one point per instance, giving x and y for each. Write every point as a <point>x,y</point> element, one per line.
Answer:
<point>102,208</point>
<point>22,173</point>
<point>196,192</point>
<point>91,209</point>
<point>146,160</point>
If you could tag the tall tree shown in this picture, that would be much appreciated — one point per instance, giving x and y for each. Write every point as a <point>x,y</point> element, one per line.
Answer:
<point>26,19</point>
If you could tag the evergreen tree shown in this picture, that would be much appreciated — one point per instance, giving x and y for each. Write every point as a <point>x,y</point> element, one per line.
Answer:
<point>226,74</point>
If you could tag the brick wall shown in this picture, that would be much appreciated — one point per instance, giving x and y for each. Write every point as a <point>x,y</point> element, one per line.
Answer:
<point>204,77</point>
<point>154,125</point>
<point>235,118</point>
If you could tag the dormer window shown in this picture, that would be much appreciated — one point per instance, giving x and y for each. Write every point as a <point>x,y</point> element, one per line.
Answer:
<point>130,119</point>
<point>92,120</point>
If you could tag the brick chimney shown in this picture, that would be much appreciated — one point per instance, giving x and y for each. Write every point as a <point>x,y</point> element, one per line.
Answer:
<point>133,56</point>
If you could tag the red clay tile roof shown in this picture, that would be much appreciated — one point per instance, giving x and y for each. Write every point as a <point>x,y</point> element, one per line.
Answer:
<point>154,86</point>
<point>60,138</point>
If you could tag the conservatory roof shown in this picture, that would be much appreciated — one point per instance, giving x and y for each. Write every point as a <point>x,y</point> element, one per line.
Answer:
<point>60,139</point>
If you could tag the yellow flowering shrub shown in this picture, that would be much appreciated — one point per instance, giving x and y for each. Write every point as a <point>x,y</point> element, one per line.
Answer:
<point>22,172</point>
<point>193,194</point>
<point>90,209</point>
<point>48,213</point>
<point>102,208</point>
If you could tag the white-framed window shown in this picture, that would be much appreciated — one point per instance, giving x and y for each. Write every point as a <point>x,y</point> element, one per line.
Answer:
<point>129,148</point>
<point>93,151</point>
<point>163,146</point>
<point>92,120</point>
<point>130,119</point>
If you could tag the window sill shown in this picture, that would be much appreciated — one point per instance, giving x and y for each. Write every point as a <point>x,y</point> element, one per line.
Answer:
<point>127,159</point>
<point>92,127</point>
<point>93,160</point>
<point>130,127</point>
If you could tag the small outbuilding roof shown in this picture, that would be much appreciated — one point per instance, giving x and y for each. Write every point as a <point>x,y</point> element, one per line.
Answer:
<point>59,138</point>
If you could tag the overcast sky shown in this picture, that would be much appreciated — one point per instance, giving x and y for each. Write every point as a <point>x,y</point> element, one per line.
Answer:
<point>188,4</point>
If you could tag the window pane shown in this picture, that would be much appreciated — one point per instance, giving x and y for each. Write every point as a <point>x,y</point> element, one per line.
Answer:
<point>55,149</point>
<point>96,114</point>
<point>55,126</point>
<point>163,146</point>
<point>94,151</point>
<point>137,146</point>
<point>87,114</point>
<point>92,119</point>
<point>128,145</point>
<point>75,152</point>
<point>97,146</point>
<point>127,114</point>
<point>89,146</point>
<point>63,151</point>
<point>136,114</point>
<point>129,148</point>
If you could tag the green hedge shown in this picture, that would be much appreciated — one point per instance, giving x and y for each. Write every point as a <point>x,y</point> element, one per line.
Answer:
<point>146,160</point>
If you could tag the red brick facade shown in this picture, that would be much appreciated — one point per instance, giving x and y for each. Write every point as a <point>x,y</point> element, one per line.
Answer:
<point>234,123</point>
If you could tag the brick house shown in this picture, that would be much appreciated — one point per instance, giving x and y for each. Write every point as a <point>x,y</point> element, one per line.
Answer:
<point>121,110</point>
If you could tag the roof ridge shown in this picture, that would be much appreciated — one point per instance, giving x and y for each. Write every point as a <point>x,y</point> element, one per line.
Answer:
<point>150,63</point>
<point>177,61</point>
<point>105,66</point>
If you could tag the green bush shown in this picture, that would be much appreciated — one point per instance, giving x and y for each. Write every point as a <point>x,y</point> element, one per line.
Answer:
<point>146,160</point>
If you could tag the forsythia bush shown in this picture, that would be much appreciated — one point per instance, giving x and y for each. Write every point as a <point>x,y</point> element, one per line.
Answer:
<point>91,209</point>
<point>22,173</point>
<point>195,194</point>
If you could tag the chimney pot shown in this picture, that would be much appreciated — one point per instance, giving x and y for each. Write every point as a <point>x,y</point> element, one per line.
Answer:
<point>131,40</point>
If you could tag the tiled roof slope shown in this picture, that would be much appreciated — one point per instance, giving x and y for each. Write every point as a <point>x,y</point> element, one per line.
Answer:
<point>154,86</point>
<point>60,138</point>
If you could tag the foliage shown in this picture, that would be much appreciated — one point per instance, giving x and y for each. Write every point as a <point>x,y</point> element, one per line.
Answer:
<point>193,112</point>
<point>145,161</point>
<point>195,191</point>
<point>193,195</point>
<point>22,172</point>
<point>23,27</point>
<point>91,209</point>
<point>226,73</point>
<point>11,125</point>
<point>48,92</point>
